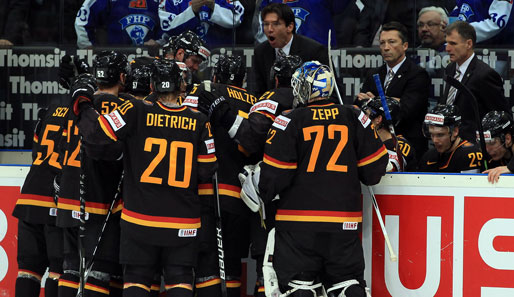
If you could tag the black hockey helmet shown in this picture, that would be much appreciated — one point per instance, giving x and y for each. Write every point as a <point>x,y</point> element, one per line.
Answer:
<point>497,124</point>
<point>283,68</point>
<point>443,116</point>
<point>375,108</point>
<point>166,76</point>
<point>138,79</point>
<point>230,70</point>
<point>108,65</point>
<point>191,43</point>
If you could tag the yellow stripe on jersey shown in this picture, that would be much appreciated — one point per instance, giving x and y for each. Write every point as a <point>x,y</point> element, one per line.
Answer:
<point>160,222</point>
<point>179,286</point>
<point>211,282</point>
<point>318,216</point>
<point>207,158</point>
<point>104,124</point>
<point>28,273</point>
<point>69,284</point>
<point>373,157</point>
<point>94,288</point>
<point>279,164</point>
<point>129,285</point>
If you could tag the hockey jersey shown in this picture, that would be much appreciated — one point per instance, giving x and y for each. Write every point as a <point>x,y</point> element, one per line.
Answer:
<point>213,26</point>
<point>167,152</point>
<point>36,203</point>
<point>231,159</point>
<point>492,19</point>
<point>128,22</point>
<point>315,158</point>
<point>251,132</point>
<point>100,178</point>
<point>406,152</point>
<point>465,158</point>
<point>313,18</point>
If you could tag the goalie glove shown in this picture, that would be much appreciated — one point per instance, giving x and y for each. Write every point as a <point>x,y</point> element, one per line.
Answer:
<point>249,179</point>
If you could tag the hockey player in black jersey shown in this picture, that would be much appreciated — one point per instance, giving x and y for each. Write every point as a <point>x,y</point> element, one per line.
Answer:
<point>375,111</point>
<point>40,242</point>
<point>168,150</point>
<point>138,78</point>
<point>223,95</point>
<point>101,179</point>
<point>498,130</point>
<point>315,158</point>
<point>450,153</point>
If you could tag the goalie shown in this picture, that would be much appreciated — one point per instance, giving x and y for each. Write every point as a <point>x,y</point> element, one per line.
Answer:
<point>315,157</point>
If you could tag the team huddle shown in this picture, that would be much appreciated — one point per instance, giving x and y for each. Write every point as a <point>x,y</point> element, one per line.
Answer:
<point>151,180</point>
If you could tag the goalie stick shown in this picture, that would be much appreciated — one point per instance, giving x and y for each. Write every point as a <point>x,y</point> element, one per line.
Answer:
<point>332,67</point>
<point>219,236</point>
<point>392,255</point>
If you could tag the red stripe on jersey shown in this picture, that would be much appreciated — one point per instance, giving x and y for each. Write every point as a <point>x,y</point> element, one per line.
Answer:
<point>373,157</point>
<point>318,216</point>
<point>36,138</point>
<point>267,114</point>
<point>36,200</point>
<point>279,164</point>
<point>207,158</point>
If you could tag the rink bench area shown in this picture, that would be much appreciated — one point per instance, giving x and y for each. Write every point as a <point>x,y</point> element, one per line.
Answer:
<point>453,234</point>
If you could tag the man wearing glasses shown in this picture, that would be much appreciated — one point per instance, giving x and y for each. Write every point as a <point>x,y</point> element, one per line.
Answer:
<point>279,26</point>
<point>431,24</point>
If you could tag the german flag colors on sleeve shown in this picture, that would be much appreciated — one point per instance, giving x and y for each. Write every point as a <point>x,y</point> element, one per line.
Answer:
<point>279,164</point>
<point>373,157</point>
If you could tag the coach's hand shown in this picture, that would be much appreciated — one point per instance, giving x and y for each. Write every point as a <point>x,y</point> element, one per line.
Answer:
<point>82,90</point>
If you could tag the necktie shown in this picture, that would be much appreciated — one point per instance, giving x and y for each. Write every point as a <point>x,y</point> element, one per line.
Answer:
<point>453,91</point>
<point>390,76</point>
<point>281,53</point>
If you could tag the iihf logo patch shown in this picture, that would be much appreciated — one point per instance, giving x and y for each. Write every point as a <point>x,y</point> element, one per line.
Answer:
<point>137,26</point>
<point>465,12</point>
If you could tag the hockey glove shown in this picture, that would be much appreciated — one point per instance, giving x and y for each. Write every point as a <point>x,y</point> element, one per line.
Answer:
<point>69,69</point>
<point>82,90</point>
<point>249,179</point>
<point>213,106</point>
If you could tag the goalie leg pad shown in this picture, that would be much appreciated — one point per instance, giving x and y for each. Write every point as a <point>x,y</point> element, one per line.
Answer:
<point>271,287</point>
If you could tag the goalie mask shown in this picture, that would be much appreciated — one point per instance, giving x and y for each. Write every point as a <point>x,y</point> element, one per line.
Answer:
<point>283,69</point>
<point>375,109</point>
<point>167,76</point>
<point>108,65</point>
<point>230,70</point>
<point>496,124</point>
<point>442,116</point>
<point>311,80</point>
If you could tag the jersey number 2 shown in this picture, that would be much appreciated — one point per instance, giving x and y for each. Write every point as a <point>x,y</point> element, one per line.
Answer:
<point>319,132</point>
<point>173,153</point>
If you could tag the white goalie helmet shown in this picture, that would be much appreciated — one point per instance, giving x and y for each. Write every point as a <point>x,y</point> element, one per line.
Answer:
<point>312,80</point>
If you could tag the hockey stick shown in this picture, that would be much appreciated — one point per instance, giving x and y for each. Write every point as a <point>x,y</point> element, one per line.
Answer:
<point>332,66</point>
<point>392,255</point>
<point>459,86</point>
<point>89,266</point>
<point>82,227</point>
<point>219,236</point>
<point>381,93</point>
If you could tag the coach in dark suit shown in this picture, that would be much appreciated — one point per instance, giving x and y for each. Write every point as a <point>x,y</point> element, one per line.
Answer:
<point>485,83</point>
<point>279,26</point>
<point>402,80</point>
